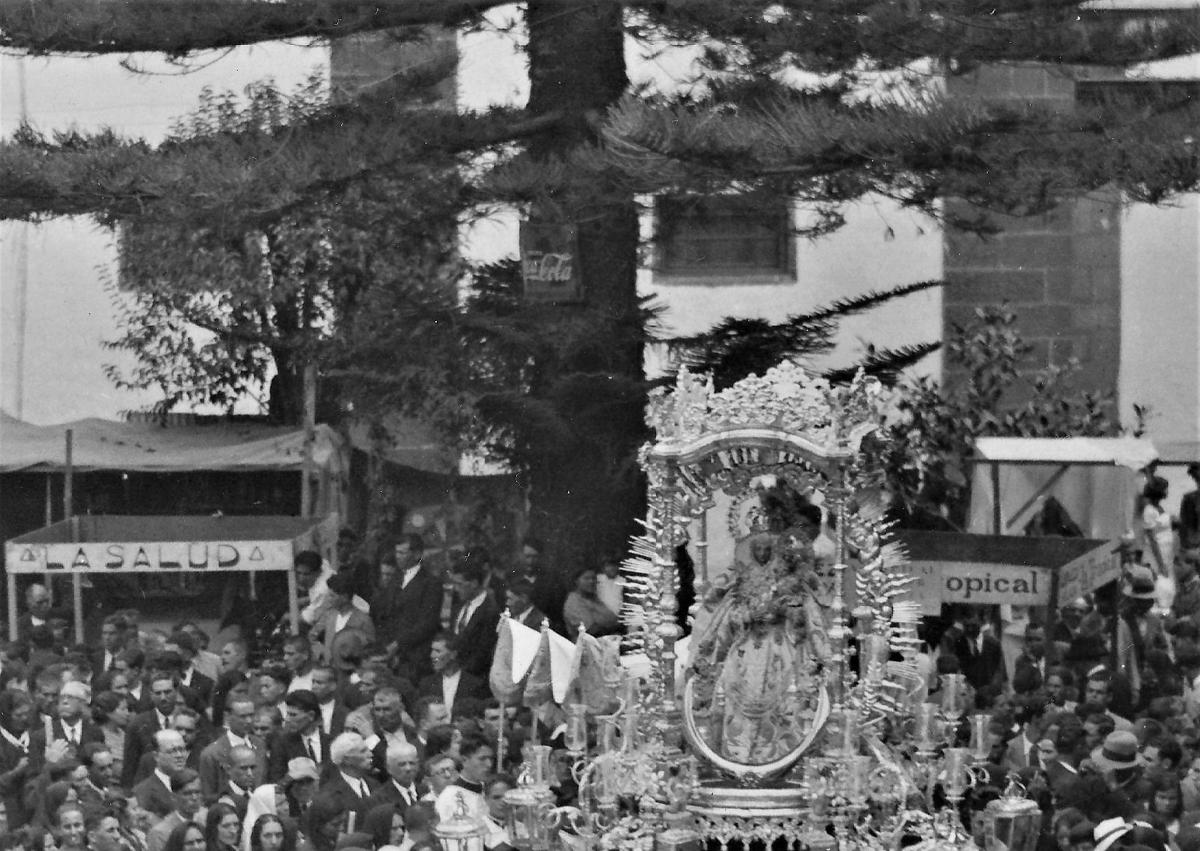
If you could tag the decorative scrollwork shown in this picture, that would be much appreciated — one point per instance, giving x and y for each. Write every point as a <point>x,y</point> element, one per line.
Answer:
<point>786,397</point>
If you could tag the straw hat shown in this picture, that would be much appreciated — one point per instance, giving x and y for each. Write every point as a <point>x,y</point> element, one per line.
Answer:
<point>1119,751</point>
<point>1108,832</point>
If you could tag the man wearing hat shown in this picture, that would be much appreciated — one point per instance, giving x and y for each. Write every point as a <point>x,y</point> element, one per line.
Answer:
<point>1117,764</point>
<point>1107,832</point>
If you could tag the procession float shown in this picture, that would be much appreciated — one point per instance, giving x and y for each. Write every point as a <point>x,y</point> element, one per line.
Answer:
<point>796,716</point>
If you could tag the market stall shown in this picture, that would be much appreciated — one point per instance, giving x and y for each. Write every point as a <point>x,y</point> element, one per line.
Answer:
<point>1038,486</point>
<point>118,545</point>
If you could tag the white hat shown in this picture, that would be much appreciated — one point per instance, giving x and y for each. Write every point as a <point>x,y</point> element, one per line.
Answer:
<point>1108,832</point>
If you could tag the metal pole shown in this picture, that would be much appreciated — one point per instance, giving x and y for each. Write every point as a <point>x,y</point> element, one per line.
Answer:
<point>69,513</point>
<point>12,606</point>
<point>293,602</point>
<point>997,516</point>
<point>49,500</point>
<point>310,435</point>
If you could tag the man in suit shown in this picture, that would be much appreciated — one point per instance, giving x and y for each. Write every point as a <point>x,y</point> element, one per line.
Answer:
<point>154,793</point>
<point>112,642</point>
<point>349,783</point>
<point>449,682</point>
<point>95,791</point>
<point>520,605</point>
<point>216,760</point>
<point>411,609</point>
<point>37,601</point>
<point>979,655</point>
<point>331,710</point>
<point>132,663</point>
<point>475,620</point>
<point>191,680</point>
<point>71,725</point>
<point>243,778</point>
<point>302,735</point>
<point>1033,656</point>
<point>428,712</point>
<point>388,727</point>
<point>187,798</point>
<point>341,618</point>
<point>139,736</point>
<point>400,789</point>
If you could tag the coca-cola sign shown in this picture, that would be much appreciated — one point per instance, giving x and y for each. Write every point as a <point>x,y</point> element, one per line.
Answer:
<point>548,262</point>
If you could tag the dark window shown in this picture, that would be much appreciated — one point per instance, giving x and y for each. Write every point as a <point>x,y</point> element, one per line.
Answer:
<point>726,235</point>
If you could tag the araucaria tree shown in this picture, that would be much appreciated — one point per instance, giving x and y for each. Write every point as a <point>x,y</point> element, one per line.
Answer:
<point>821,103</point>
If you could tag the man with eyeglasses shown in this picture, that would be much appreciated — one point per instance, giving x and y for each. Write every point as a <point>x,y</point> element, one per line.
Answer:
<point>188,798</point>
<point>440,771</point>
<point>170,757</point>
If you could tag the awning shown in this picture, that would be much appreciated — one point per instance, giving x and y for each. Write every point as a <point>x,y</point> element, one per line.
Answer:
<point>141,447</point>
<point>1132,452</point>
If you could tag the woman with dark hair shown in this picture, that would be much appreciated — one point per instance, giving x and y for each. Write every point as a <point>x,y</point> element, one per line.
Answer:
<point>222,827</point>
<point>325,821</point>
<point>385,824</point>
<point>269,833</point>
<point>185,837</point>
<point>16,713</point>
<point>1165,799</point>
<point>111,713</point>
<point>58,794</point>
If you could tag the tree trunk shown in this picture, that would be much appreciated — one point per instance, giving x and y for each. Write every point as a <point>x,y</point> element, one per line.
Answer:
<point>584,501</point>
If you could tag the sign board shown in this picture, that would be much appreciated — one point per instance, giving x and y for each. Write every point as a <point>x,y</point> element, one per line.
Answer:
<point>981,583</point>
<point>549,262</point>
<point>142,557</point>
<point>1088,572</point>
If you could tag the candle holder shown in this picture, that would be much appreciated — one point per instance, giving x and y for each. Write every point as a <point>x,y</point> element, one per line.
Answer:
<point>955,694</point>
<point>462,831</point>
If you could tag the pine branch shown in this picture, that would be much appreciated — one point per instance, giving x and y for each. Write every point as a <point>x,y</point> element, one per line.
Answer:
<point>209,180</point>
<point>166,26</point>
<point>884,364</point>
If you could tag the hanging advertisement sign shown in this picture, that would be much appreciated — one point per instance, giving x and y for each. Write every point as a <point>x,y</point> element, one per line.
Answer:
<point>549,262</point>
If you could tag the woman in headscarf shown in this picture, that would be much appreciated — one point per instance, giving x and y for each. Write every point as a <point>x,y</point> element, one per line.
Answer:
<point>16,711</point>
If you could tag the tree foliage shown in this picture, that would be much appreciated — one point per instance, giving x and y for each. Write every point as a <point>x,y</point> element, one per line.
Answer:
<point>992,390</point>
<point>290,234</point>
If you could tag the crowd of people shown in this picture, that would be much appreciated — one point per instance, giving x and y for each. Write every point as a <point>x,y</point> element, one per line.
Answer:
<point>373,718</point>
<point>361,729</point>
<point>1097,711</point>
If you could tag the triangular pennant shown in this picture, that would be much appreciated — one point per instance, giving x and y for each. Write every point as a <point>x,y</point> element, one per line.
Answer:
<point>525,642</point>
<point>562,660</point>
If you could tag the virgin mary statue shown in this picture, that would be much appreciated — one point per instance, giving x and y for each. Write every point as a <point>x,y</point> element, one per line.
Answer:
<point>759,642</point>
